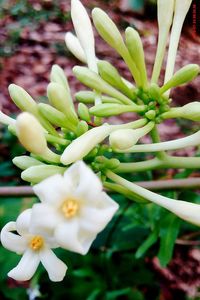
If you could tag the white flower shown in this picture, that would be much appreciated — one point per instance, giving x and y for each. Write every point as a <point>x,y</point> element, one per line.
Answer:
<point>74,208</point>
<point>34,247</point>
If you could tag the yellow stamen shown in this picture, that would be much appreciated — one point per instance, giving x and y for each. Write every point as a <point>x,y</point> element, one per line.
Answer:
<point>36,243</point>
<point>70,207</point>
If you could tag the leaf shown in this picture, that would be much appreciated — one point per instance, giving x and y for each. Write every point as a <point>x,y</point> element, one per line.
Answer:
<point>152,238</point>
<point>169,229</point>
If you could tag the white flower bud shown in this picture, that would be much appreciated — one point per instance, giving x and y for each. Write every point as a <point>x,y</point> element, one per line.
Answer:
<point>75,47</point>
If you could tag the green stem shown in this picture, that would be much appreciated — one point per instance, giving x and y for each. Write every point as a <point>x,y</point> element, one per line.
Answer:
<point>156,139</point>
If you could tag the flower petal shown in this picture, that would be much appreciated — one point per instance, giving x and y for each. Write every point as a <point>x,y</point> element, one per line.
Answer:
<point>26,267</point>
<point>95,219</point>
<point>44,219</point>
<point>55,267</point>
<point>52,190</point>
<point>66,234</point>
<point>23,222</point>
<point>12,241</point>
<point>86,183</point>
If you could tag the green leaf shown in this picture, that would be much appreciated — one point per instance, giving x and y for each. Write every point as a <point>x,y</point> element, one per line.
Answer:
<point>169,229</point>
<point>152,238</point>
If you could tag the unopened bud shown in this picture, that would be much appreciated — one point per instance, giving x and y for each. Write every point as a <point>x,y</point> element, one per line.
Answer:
<point>182,76</point>
<point>190,111</point>
<point>135,47</point>
<point>58,76</point>
<point>24,162</point>
<point>75,47</point>
<point>111,75</point>
<point>81,128</point>
<point>37,174</point>
<point>88,97</point>
<point>61,99</point>
<point>83,112</point>
<point>107,110</point>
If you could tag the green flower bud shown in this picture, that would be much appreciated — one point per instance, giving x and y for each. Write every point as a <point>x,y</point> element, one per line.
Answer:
<point>55,116</point>
<point>182,76</point>
<point>26,103</point>
<point>81,128</point>
<point>36,174</point>
<point>190,111</point>
<point>83,112</point>
<point>135,47</point>
<point>94,81</point>
<point>110,33</point>
<point>124,139</point>
<point>154,92</point>
<point>112,76</point>
<point>88,97</point>
<point>107,110</point>
<point>31,135</point>
<point>151,114</point>
<point>60,98</point>
<point>24,162</point>
<point>58,76</point>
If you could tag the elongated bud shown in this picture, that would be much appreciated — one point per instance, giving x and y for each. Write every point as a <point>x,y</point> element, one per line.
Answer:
<point>190,111</point>
<point>24,162</point>
<point>154,92</point>
<point>57,75</point>
<point>135,47</point>
<point>61,100</point>
<point>94,81</point>
<point>75,47</point>
<point>26,103</point>
<point>83,112</point>
<point>81,128</point>
<point>55,116</point>
<point>80,147</point>
<point>88,97</point>
<point>182,76</point>
<point>22,99</point>
<point>181,9</point>
<point>112,76</point>
<point>110,33</point>
<point>84,32</point>
<point>31,135</point>
<point>36,174</point>
<point>126,138</point>
<point>4,119</point>
<point>107,110</point>
<point>164,24</point>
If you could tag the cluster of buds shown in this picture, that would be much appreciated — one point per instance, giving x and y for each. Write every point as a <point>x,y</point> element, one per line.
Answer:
<point>69,162</point>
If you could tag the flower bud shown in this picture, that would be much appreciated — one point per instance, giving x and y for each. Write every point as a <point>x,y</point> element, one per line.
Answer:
<point>126,138</point>
<point>84,32</point>
<point>37,174</point>
<point>108,109</point>
<point>81,146</point>
<point>55,116</point>
<point>83,112</point>
<point>184,75</point>
<point>22,99</point>
<point>57,75</point>
<point>110,33</point>
<point>190,111</point>
<point>81,128</point>
<point>75,47</point>
<point>61,99</point>
<point>31,134</point>
<point>94,81</point>
<point>4,119</point>
<point>24,162</point>
<point>135,47</point>
<point>88,97</point>
<point>112,76</point>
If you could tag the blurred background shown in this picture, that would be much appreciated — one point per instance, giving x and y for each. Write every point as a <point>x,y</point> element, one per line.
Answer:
<point>31,41</point>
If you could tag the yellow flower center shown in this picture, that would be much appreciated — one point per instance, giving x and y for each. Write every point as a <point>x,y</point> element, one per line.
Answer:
<point>36,243</point>
<point>70,208</point>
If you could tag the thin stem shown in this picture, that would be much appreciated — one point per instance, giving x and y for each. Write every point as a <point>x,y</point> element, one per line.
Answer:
<point>156,139</point>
